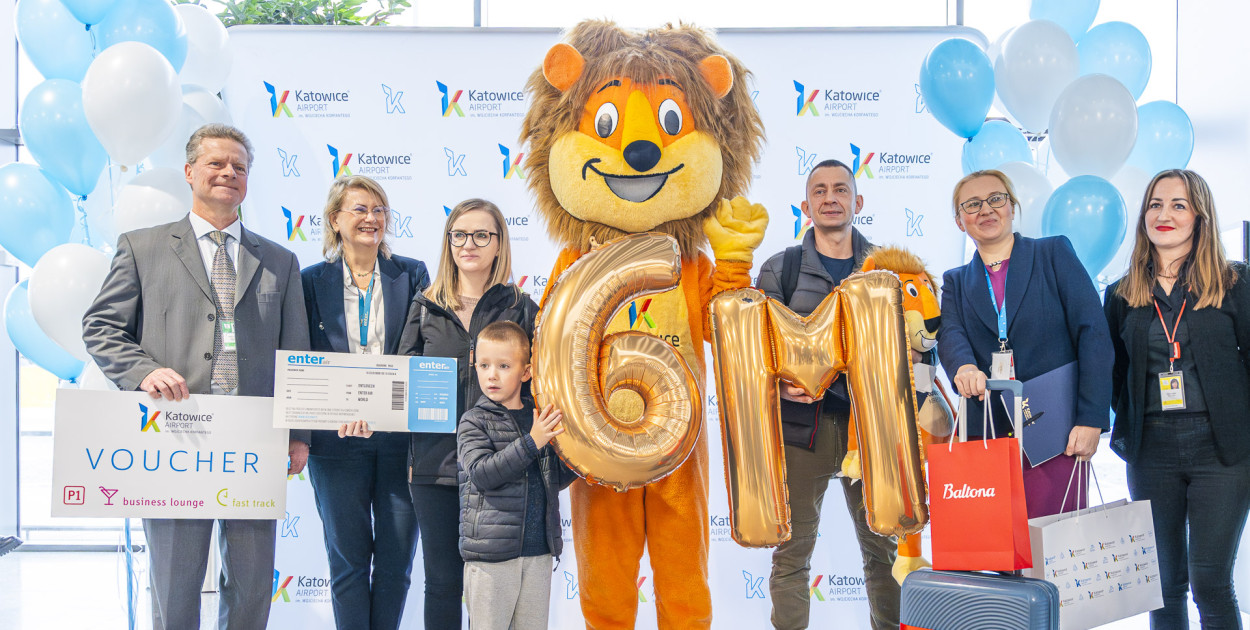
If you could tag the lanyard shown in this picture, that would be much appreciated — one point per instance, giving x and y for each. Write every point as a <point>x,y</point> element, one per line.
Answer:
<point>1001,312</point>
<point>1174,345</point>
<point>365,308</point>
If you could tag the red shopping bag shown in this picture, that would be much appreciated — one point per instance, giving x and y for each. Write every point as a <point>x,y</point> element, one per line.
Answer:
<point>977,514</point>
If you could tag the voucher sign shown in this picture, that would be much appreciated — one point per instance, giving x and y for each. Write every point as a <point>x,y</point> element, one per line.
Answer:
<point>123,454</point>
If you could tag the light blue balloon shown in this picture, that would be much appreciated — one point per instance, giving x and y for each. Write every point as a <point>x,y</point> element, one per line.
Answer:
<point>957,83</point>
<point>31,341</point>
<point>1165,138</point>
<point>153,22</point>
<point>35,211</point>
<point>1074,16</point>
<point>56,132</point>
<point>56,42</point>
<point>1090,212</point>
<point>90,11</point>
<point>997,143</point>
<point>1117,49</point>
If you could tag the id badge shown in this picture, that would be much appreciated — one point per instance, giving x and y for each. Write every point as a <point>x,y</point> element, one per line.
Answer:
<point>227,336</point>
<point>1172,390</point>
<point>1002,366</point>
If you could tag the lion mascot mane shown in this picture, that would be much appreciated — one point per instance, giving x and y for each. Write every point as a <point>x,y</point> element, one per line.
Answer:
<point>647,132</point>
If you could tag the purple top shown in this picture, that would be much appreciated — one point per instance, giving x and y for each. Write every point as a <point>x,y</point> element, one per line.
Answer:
<point>999,280</point>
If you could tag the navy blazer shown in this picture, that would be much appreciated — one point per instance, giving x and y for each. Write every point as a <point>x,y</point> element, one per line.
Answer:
<point>402,278</point>
<point>1054,317</point>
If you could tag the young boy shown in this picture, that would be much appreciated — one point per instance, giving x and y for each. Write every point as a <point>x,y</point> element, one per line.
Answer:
<point>510,480</point>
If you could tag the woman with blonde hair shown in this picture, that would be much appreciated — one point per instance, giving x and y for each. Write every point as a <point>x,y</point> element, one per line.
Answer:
<point>1180,323</point>
<point>357,300</point>
<point>471,289</point>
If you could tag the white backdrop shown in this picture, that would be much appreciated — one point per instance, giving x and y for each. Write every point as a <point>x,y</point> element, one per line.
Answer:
<point>434,115</point>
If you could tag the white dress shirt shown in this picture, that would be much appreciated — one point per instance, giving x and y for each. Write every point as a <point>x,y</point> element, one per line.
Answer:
<point>351,308</point>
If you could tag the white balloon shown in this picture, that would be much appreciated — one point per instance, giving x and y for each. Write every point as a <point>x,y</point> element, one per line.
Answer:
<point>1033,190</point>
<point>62,285</point>
<point>1093,126</point>
<point>209,107</point>
<point>173,151</point>
<point>131,99</point>
<point>93,378</point>
<point>208,48</point>
<point>1036,62</point>
<point>153,197</point>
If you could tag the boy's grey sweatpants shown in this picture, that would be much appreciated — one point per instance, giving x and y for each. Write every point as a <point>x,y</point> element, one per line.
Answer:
<point>510,595</point>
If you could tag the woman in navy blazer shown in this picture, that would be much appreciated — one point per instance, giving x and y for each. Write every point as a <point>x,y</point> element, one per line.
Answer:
<point>1053,317</point>
<point>358,302</point>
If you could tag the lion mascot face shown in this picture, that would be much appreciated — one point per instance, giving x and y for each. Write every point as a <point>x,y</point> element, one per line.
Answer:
<point>634,132</point>
<point>921,311</point>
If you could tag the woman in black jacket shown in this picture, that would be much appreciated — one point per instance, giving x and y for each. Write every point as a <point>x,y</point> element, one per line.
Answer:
<point>357,300</point>
<point>1180,323</point>
<point>470,291</point>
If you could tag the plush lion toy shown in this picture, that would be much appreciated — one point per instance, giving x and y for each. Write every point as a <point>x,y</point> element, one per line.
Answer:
<point>648,132</point>
<point>923,315</point>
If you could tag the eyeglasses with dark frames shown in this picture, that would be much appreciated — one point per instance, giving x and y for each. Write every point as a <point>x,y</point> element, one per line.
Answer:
<point>481,238</point>
<point>995,200</point>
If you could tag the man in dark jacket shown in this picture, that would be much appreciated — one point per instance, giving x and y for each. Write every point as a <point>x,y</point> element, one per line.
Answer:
<point>510,482</point>
<point>815,431</point>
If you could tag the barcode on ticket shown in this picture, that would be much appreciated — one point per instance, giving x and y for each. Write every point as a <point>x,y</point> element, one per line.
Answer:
<point>399,392</point>
<point>431,413</point>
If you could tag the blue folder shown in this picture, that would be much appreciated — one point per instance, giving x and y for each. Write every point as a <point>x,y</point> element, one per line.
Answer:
<point>1051,400</point>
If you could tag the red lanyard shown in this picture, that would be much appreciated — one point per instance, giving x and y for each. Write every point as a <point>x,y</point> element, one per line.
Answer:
<point>1172,342</point>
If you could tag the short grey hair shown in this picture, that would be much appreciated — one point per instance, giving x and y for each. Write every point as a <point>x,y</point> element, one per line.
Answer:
<point>216,130</point>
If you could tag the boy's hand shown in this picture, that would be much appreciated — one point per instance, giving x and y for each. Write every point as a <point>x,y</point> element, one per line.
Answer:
<point>546,425</point>
<point>355,428</point>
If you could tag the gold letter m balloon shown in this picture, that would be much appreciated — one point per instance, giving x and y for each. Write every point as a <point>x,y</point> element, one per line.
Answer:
<point>858,330</point>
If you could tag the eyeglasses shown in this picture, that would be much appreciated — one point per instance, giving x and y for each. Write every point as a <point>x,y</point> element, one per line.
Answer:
<point>361,212</point>
<point>481,238</point>
<point>973,206</point>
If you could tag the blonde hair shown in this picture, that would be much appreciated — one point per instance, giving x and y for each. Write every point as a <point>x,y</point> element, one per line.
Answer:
<point>507,332</point>
<point>331,240</point>
<point>989,172</point>
<point>219,131</point>
<point>445,290</point>
<point>1205,271</point>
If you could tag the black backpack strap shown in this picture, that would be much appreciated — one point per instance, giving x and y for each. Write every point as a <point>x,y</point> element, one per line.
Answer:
<point>790,271</point>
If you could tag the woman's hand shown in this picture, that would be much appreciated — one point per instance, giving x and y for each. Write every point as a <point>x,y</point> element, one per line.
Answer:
<point>970,382</point>
<point>1083,442</point>
<point>355,428</point>
<point>795,394</point>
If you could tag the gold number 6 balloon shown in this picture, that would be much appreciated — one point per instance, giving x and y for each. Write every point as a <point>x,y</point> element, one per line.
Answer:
<point>577,368</point>
<point>858,330</point>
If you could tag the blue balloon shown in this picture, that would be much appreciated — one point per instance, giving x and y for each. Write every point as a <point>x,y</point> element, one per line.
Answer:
<point>997,143</point>
<point>153,22</point>
<point>31,341</point>
<point>56,42</point>
<point>1117,49</point>
<point>957,83</point>
<point>90,11</point>
<point>1074,16</point>
<point>1165,138</point>
<point>58,136</point>
<point>1090,212</point>
<point>35,211</point>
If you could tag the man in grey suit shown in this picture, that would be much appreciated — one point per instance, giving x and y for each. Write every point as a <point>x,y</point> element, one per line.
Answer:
<point>200,306</point>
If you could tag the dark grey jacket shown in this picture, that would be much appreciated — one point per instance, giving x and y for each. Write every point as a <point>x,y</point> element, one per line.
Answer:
<point>494,459</point>
<point>798,421</point>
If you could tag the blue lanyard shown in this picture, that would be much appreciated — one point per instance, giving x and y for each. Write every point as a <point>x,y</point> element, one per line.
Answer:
<point>1002,312</point>
<point>365,308</point>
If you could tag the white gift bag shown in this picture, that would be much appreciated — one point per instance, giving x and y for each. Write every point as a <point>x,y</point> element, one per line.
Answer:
<point>1102,559</point>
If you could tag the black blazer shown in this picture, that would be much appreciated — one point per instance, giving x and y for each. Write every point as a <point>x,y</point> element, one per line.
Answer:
<point>1052,319</point>
<point>402,279</point>
<point>1220,340</point>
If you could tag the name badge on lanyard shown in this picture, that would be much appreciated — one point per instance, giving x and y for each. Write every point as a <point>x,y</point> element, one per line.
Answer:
<point>1172,382</point>
<point>1002,363</point>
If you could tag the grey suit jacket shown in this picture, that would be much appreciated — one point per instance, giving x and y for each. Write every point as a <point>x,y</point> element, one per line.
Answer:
<point>155,310</point>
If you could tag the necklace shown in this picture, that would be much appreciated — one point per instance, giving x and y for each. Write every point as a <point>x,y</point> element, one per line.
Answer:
<point>996,263</point>
<point>1161,276</point>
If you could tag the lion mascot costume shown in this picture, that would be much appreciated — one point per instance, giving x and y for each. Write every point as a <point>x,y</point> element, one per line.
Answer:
<point>647,132</point>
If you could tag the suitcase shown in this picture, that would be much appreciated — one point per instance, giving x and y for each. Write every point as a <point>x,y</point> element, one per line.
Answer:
<point>956,600</point>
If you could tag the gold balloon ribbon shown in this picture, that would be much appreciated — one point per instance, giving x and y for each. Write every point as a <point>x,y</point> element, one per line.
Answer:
<point>858,330</point>
<point>577,368</point>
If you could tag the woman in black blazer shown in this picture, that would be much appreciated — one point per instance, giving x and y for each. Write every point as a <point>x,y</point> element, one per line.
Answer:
<point>1181,316</point>
<point>357,302</point>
